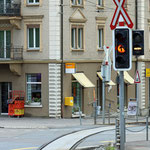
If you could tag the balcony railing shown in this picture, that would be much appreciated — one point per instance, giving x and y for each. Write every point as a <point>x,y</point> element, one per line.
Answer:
<point>10,9</point>
<point>11,53</point>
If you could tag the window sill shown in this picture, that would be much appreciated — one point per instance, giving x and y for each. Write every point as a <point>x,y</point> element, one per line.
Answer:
<point>100,49</point>
<point>100,7</point>
<point>80,6</point>
<point>33,5</point>
<point>34,105</point>
<point>77,50</point>
<point>33,50</point>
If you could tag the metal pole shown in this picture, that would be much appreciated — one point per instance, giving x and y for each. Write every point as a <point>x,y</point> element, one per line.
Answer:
<point>95,112</point>
<point>121,101</point>
<point>80,116</point>
<point>146,128</point>
<point>103,97</point>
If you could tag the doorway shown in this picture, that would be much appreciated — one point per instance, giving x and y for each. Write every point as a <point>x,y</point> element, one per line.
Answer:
<point>5,89</point>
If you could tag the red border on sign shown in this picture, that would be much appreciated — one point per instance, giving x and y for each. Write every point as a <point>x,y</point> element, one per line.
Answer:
<point>120,13</point>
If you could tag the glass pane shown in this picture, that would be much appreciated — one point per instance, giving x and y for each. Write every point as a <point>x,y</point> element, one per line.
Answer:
<point>73,38</point>
<point>34,92</point>
<point>73,2</point>
<point>100,2</point>
<point>100,40</point>
<point>37,1</point>
<point>37,33</point>
<point>80,38</point>
<point>31,1</point>
<point>1,6</point>
<point>1,44</point>
<point>31,38</point>
<point>34,77</point>
<point>80,2</point>
<point>8,43</point>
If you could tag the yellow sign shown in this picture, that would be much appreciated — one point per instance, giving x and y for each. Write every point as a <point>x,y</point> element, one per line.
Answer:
<point>147,72</point>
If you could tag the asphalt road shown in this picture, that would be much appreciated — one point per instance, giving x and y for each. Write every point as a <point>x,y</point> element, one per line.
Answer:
<point>31,139</point>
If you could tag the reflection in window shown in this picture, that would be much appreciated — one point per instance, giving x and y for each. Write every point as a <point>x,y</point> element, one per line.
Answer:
<point>34,88</point>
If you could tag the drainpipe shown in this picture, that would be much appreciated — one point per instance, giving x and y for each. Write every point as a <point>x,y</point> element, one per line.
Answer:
<point>62,63</point>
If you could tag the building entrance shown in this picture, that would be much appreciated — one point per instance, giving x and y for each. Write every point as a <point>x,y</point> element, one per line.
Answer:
<point>5,89</point>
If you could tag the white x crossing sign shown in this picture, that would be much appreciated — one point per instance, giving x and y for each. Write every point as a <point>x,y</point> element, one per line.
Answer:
<point>120,10</point>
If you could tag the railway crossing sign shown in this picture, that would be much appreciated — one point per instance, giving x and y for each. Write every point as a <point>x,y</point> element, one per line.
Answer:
<point>120,10</point>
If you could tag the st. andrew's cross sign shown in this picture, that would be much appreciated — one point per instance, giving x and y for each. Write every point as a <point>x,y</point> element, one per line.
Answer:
<point>120,10</point>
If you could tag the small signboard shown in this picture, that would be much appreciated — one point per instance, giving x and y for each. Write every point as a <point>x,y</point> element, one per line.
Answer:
<point>132,108</point>
<point>70,68</point>
<point>137,78</point>
<point>147,72</point>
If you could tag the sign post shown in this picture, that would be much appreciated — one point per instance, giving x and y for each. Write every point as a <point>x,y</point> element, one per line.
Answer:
<point>121,12</point>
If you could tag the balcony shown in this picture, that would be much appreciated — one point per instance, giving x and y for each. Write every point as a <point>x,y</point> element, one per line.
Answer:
<point>10,9</point>
<point>11,53</point>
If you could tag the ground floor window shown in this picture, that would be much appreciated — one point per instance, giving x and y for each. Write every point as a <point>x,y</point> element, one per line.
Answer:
<point>33,88</point>
<point>77,95</point>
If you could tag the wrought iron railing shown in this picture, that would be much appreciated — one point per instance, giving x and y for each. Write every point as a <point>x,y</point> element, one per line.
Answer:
<point>13,53</point>
<point>10,9</point>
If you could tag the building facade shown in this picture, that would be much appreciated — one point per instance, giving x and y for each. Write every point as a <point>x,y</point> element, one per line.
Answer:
<point>41,39</point>
<point>30,55</point>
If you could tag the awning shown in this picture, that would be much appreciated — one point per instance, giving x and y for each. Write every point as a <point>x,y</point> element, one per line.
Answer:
<point>83,80</point>
<point>128,78</point>
<point>109,83</point>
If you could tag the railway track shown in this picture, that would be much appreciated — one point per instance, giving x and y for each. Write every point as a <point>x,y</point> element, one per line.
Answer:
<point>72,140</point>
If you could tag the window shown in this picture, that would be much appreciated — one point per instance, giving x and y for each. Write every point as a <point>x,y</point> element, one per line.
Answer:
<point>33,37</point>
<point>125,4</point>
<point>33,1</point>
<point>100,38</point>
<point>33,88</point>
<point>100,3</point>
<point>77,37</point>
<point>77,2</point>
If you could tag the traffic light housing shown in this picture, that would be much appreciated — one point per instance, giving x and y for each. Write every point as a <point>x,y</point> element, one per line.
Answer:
<point>122,54</point>
<point>138,42</point>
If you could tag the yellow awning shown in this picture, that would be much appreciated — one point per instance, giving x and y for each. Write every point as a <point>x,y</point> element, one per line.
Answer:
<point>128,78</point>
<point>83,80</point>
<point>109,83</point>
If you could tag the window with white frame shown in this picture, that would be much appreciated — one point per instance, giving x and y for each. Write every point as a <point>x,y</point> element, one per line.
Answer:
<point>33,1</point>
<point>77,40</point>
<point>77,2</point>
<point>100,38</point>
<point>33,37</point>
<point>100,3</point>
<point>33,88</point>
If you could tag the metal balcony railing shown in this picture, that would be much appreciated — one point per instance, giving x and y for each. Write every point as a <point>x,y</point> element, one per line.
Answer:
<point>10,9</point>
<point>12,53</point>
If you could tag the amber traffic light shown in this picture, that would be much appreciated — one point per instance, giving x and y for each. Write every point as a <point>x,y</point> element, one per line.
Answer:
<point>122,49</point>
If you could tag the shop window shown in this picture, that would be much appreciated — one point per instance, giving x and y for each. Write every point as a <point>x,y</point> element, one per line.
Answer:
<point>33,38</point>
<point>33,88</point>
<point>77,2</point>
<point>77,95</point>
<point>77,38</point>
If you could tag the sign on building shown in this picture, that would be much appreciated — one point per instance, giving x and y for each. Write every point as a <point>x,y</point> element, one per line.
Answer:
<point>70,68</point>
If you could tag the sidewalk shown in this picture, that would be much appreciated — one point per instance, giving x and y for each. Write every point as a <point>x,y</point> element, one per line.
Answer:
<point>39,122</point>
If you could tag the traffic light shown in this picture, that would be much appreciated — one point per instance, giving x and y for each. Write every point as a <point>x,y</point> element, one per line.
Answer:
<point>138,42</point>
<point>122,54</point>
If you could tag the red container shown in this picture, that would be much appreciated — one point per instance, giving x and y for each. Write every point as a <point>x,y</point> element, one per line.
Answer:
<point>11,109</point>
